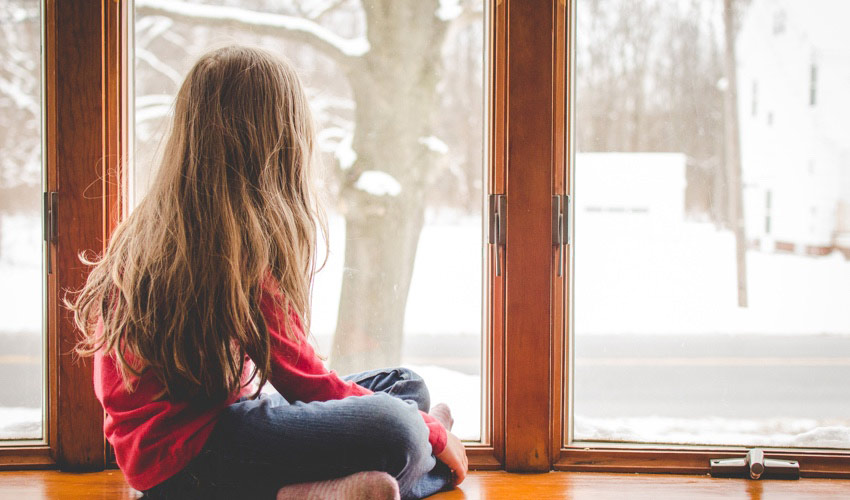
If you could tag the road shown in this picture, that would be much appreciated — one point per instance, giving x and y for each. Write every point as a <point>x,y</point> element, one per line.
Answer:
<point>676,376</point>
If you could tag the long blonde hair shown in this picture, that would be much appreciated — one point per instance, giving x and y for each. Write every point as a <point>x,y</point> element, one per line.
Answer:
<point>231,213</point>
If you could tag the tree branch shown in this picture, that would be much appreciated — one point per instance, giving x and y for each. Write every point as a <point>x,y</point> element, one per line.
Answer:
<point>344,51</point>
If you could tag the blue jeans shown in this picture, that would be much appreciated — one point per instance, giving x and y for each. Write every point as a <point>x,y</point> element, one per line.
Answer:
<point>260,445</point>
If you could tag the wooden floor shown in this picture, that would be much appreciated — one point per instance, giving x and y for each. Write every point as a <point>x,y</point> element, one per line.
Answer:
<point>479,485</point>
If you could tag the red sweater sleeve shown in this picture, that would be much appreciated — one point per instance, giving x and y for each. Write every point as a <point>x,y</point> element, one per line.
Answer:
<point>299,375</point>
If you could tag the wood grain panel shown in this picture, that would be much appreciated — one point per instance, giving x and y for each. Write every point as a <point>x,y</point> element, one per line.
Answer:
<point>80,174</point>
<point>529,237</point>
<point>560,255</point>
<point>495,312</point>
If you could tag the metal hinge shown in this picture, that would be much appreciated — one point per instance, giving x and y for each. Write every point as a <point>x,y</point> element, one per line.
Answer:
<point>496,228</point>
<point>755,466</point>
<point>50,226</point>
<point>560,226</point>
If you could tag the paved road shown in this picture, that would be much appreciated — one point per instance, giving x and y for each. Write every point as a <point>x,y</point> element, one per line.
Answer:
<point>675,376</point>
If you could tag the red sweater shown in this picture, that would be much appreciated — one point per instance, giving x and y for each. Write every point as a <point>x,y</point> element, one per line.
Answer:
<point>153,440</point>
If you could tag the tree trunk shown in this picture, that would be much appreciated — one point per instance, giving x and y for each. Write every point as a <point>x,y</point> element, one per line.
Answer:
<point>732,149</point>
<point>395,91</point>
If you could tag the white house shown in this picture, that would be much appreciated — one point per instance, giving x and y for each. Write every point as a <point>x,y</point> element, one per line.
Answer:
<point>649,187</point>
<point>794,104</point>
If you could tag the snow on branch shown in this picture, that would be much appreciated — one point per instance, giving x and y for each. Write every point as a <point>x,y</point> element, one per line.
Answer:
<point>290,27</point>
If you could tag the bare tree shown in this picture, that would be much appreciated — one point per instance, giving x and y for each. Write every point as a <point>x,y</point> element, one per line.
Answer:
<point>732,150</point>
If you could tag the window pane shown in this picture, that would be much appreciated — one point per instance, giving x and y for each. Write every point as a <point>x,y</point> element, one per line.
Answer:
<point>712,243</point>
<point>400,118</point>
<point>21,344</point>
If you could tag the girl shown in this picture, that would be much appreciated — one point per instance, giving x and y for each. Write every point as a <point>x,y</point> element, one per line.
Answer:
<point>202,296</point>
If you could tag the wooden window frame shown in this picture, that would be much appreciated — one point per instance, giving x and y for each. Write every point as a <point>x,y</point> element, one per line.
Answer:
<point>527,338</point>
<point>84,112</point>
<point>568,455</point>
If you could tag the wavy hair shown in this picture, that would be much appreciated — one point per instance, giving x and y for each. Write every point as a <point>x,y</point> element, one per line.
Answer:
<point>230,215</point>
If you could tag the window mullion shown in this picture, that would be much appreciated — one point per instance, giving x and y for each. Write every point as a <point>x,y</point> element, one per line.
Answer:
<point>528,253</point>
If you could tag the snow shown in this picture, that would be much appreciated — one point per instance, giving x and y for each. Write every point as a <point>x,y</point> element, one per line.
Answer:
<point>378,183</point>
<point>776,432</point>
<point>21,99</point>
<point>338,141</point>
<point>344,152</point>
<point>448,10</point>
<point>434,144</point>
<point>680,279</point>
<point>20,269</point>
<point>351,47</point>
<point>446,277</point>
<point>149,57</point>
<point>20,423</point>
<point>460,391</point>
<point>152,107</point>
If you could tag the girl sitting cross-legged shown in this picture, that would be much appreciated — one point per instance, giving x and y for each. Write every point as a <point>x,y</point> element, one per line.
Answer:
<point>203,296</point>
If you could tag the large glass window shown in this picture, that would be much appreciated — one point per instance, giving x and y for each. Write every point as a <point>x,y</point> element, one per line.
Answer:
<point>400,116</point>
<point>712,225</point>
<point>21,263</point>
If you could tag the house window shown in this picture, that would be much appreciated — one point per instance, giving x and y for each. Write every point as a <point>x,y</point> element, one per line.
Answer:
<point>813,85</point>
<point>22,268</point>
<point>672,311</point>
<point>767,212</point>
<point>779,20</point>
<point>755,107</point>
<point>400,118</point>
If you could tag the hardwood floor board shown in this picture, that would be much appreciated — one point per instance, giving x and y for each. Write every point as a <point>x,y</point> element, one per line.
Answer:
<point>110,484</point>
<point>604,486</point>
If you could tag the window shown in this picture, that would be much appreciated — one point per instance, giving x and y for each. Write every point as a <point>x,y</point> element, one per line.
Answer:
<point>22,352</point>
<point>400,118</point>
<point>755,107</point>
<point>813,85</point>
<point>538,301</point>
<point>684,333</point>
<point>779,21</point>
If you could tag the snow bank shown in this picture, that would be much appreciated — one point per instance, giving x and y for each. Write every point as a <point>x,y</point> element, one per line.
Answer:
<point>20,423</point>
<point>803,433</point>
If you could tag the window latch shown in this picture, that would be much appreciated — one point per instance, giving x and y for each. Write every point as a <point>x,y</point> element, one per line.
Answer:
<point>560,226</point>
<point>755,466</point>
<point>50,226</point>
<point>496,229</point>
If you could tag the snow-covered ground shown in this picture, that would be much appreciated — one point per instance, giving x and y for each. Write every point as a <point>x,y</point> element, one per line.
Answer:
<point>20,272</point>
<point>20,423</point>
<point>663,279</point>
<point>446,289</point>
<point>770,432</point>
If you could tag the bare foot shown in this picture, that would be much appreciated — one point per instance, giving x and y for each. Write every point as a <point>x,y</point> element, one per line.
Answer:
<point>369,485</point>
<point>443,413</point>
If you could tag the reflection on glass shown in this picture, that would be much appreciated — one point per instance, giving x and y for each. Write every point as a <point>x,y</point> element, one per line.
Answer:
<point>21,346</point>
<point>712,243</point>
<point>400,119</point>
